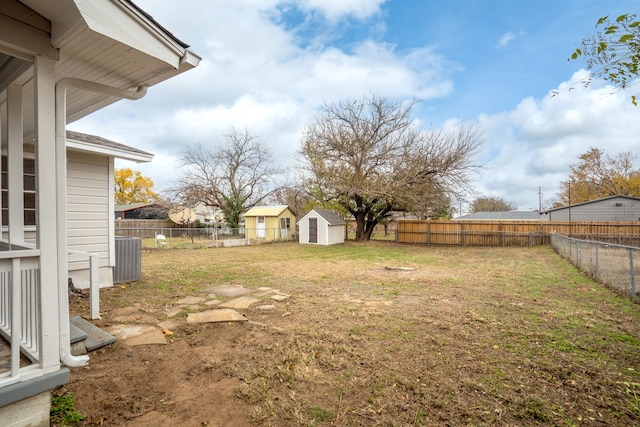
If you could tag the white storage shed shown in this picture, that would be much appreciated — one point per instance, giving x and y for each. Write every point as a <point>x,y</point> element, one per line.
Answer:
<point>321,227</point>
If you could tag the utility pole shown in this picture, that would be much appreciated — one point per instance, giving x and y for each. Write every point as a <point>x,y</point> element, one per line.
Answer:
<point>539,199</point>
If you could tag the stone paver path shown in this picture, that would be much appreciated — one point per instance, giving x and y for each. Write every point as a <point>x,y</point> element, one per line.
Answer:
<point>217,304</point>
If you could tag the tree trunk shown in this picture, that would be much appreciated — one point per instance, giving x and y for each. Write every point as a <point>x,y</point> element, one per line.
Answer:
<point>364,228</point>
<point>360,226</point>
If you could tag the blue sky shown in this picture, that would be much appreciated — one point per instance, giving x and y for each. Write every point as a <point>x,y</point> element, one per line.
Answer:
<point>268,65</point>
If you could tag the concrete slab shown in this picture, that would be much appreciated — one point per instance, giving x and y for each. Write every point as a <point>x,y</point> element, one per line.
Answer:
<point>77,334</point>
<point>240,302</point>
<point>190,300</point>
<point>96,337</point>
<point>217,315</point>
<point>229,291</point>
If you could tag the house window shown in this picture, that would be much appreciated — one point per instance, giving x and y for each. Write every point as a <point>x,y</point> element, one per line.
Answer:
<point>285,223</point>
<point>29,200</point>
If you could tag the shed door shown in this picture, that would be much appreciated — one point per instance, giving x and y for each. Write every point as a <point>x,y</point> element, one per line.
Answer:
<point>260,227</point>
<point>313,230</point>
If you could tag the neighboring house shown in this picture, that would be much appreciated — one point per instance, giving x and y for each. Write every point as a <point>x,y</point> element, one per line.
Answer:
<point>59,62</point>
<point>321,227</point>
<point>269,223</point>
<point>614,208</point>
<point>502,216</point>
<point>208,215</point>
<point>141,211</point>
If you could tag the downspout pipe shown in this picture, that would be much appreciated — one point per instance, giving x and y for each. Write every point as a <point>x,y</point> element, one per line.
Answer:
<point>61,201</point>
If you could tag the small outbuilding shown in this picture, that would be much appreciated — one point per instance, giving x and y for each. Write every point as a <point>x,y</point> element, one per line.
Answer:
<point>269,223</point>
<point>321,227</point>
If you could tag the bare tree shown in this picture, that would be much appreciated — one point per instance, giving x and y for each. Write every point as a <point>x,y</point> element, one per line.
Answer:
<point>233,176</point>
<point>296,197</point>
<point>370,157</point>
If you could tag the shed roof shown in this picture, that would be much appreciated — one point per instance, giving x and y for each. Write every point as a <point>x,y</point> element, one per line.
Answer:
<point>501,215</point>
<point>330,216</point>
<point>266,210</point>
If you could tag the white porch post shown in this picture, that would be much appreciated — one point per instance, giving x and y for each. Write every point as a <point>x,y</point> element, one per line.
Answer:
<point>46,210</point>
<point>15,164</point>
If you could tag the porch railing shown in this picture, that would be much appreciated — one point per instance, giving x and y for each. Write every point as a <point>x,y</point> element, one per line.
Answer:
<point>20,305</point>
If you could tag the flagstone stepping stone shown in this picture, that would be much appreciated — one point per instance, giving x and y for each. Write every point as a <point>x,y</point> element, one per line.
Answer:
<point>174,311</point>
<point>229,291</point>
<point>168,324</point>
<point>213,302</point>
<point>240,302</point>
<point>266,307</point>
<point>217,315</point>
<point>133,335</point>
<point>190,300</point>
<point>404,269</point>
<point>280,297</point>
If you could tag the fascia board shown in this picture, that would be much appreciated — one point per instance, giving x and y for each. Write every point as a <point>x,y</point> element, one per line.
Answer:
<point>108,151</point>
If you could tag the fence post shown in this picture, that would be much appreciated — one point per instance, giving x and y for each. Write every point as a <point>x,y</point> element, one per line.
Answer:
<point>428,233</point>
<point>633,278</point>
<point>464,236</point>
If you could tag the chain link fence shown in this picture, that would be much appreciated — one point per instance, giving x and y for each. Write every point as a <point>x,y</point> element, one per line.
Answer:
<point>204,237</point>
<point>616,266</point>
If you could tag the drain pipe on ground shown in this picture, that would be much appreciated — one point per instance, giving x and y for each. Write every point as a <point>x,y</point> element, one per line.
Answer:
<point>61,201</point>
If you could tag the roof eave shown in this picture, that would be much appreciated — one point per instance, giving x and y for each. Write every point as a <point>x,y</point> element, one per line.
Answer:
<point>118,153</point>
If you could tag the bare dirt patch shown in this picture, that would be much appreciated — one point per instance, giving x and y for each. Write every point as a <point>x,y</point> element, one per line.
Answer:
<point>373,334</point>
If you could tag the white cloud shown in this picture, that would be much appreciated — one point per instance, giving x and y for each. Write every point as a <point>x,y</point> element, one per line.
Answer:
<point>257,74</point>
<point>533,145</point>
<point>334,10</point>
<point>508,38</point>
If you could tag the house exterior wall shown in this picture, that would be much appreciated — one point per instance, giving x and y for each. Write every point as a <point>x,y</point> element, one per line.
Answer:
<point>88,218</point>
<point>88,202</point>
<point>612,209</point>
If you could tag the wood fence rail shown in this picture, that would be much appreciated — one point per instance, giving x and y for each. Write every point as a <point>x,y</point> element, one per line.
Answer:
<point>514,233</point>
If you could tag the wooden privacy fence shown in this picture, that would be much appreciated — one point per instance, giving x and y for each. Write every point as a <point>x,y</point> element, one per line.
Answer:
<point>514,233</point>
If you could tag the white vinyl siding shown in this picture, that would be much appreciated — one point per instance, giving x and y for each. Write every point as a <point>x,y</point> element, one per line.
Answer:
<point>88,197</point>
<point>609,209</point>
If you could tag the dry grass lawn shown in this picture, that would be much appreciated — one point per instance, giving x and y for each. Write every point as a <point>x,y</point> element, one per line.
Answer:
<point>462,336</point>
